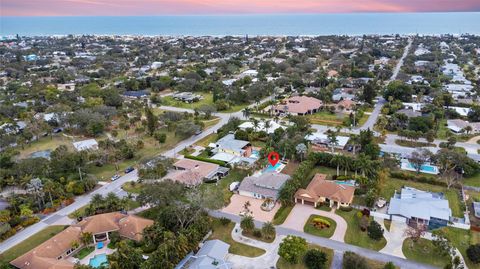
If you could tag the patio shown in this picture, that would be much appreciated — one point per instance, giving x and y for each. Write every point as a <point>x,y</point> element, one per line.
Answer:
<point>238,201</point>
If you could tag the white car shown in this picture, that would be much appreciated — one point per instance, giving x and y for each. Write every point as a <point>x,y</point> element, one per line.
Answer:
<point>115,177</point>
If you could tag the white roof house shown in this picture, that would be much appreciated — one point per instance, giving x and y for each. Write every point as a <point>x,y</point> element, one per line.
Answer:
<point>322,138</point>
<point>462,111</point>
<point>261,126</point>
<point>459,125</point>
<point>89,144</point>
<point>412,203</point>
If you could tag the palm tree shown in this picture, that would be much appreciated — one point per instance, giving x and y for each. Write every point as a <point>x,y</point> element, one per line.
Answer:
<point>246,112</point>
<point>347,164</point>
<point>268,230</point>
<point>49,186</point>
<point>301,150</point>
<point>247,224</point>
<point>336,160</point>
<point>267,125</point>
<point>354,140</point>
<point>255,123</point>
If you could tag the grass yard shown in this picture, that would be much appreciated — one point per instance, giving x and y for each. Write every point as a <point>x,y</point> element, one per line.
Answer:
<point>78,212</point>
<point>210,123</point>
<point>84,252</point>
<point>283,264</point>
<point>290,168</point>
<point>354,234</point>
<point>462,239</point>
<point>207,100</point>
<point>472,181</point>
<point>46,143</point>
<point>325,232</point>
<point>224,183</point>
<point>392,184</point>
<point>262,238</point>
<point>423,251</point>
<point>31,242</point>
<point>223,233</point>
<point>324,170</point>
<point>413,144</point>
<point>326,118</point>
<point>282,215</point>
<point>207,140</point>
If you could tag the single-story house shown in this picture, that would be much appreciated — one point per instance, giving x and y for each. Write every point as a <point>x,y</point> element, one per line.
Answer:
<point>231,145</point>
<point>89,144</point>
<point>410,113</point>
<point>136,94</point>
<point>193,172</point>
<point>345,105</point>
<point>52,253</point>
<point>261,126</point>
<point>416,206</point>
<point>263,186</point>
<point>298,105</point>
<point>320,138</point>
<point>344,94</point>
<point>13,128</point>
<point>234,160</point>
<point>187,97</point>
<point>462,111</point>
<point>211,255</point>
<point>320,190</point>
<point>458,126</point>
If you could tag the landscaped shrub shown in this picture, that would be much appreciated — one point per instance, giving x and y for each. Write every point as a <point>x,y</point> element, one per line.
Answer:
<point>375,231</point>
<point>315,259</point>
<point>389,265</point>
<point>353,261</point>
<point>225,221</point>
<point>320,223</point>
<point>473,253</point>
<point>29,221</point>
<point>346,208</point>
<point>257,233</point>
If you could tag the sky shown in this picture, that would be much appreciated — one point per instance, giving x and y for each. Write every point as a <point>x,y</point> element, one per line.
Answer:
<point>222,7</point>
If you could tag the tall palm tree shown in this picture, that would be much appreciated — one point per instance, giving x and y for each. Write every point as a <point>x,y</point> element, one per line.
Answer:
<point>354,140</point>
<point>246,112</point>
<point>255,123</point>
<point>336,160</point>
<point>347,164</point>
<point>267,125</point>
<point>268,230</point>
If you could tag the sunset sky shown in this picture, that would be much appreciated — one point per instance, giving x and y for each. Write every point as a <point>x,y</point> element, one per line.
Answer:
<point>192,7</point>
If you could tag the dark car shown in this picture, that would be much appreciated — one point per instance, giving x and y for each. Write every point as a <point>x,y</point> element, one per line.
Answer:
<point>129,169</point>
<point>57,130</point>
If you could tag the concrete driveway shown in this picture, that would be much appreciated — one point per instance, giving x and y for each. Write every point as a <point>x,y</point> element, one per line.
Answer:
<point>394,237</point>
<point>300,214</point>
<point>236,206</point>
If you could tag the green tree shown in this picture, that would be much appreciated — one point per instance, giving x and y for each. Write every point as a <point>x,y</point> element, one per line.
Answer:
<point>247,224</point>
<point>292,249</point>
<point>126,257</point>
<point>151,121</point>
<point>375,231</point>
<point>473,253</point>
<point>352,260</point>
<point>268,230</point>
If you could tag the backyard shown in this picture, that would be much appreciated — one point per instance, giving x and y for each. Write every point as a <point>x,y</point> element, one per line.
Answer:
<point>45,143</point>
<point>31,242</point>
<point>207,100</point>
<point>355,235</point>
<point>326,118</point>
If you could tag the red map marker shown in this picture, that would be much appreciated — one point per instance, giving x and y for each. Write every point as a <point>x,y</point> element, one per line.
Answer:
<point>273,158</point>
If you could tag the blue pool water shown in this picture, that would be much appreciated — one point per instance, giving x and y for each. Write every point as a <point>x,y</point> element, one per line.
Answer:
<point>341,182</point>
<point>271,168</point>
<point>98,260</point>
<point>255,154</point>
<point>425,167</point>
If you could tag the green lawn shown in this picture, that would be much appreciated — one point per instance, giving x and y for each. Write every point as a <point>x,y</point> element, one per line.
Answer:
<point>224,183</point>
<point>207,140</point>
<point>462,239</point>
<point>324,170</point>
<point>210,123</point>
<point>282,215</point>
<point>283,264</point>
<point>392,184</point>
<point>45,143</point>
<point>326,118</point>
<point>423,251</point>
<point>223,233</point>
<point>413,144</point>
<point>473,180</point>
<point>355,235</point>
<point>31,242</point>
<point>132,187</point>
<point>84,252</point>
<point>207,100</point>
<point>325,232</point>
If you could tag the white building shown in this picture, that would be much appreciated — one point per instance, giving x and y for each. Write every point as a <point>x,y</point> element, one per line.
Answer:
<point>89,144</point>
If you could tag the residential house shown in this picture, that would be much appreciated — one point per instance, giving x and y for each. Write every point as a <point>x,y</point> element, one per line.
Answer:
<point>344,94</point>
<point>89,144</point>
<point>135,94</point>
<point>458,126</point>
<point>410,113</point>
<point>263,186</point>
<point>272,126</point>
<point>52,253</point>
<point>298,105</point>
<point>320,190</point>
<point>187,97</point>
<point>211,255</point>
<point>420,207</point>
<point>345,105</point>
<point>229,144</point>
<point>193,172</point>
<point>320,138</point>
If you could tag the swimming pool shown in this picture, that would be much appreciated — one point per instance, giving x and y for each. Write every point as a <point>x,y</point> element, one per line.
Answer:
<point>255,154</point>
<point>98,260</point>
<point>424,168</point>
<point>275,168</point>
<point>346,182</point>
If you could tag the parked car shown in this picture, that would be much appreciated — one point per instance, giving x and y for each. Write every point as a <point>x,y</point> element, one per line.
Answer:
<point>115,177</point>
<point>129,169</point>
<point>57,130</point>
<point>198,132</point>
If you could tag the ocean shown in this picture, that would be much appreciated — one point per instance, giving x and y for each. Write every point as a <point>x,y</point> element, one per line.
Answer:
<point>285,24</point>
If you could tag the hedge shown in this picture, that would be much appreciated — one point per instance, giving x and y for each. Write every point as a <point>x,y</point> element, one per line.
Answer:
<point>203,159</point>
<point>417,178</point>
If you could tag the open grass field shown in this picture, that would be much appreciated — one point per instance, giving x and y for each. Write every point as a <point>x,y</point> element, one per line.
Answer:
<point>207,100</point>
<point>207,140</point>
<point>355,235</point>
<point>392,184</point>
<point>326,118</point>
<point>283,264</point>
<point>223,233</point>
<point>31,242</point>
<point>423,251</point>
<point>46,143</point>
<point>462,239</point>
<point>325,232</point>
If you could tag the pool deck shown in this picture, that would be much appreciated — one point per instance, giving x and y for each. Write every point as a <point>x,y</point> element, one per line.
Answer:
<point>406,166</point>
<point>86,260</point>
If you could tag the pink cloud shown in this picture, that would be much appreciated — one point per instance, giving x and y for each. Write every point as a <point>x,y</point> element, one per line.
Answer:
<point>192,7</point>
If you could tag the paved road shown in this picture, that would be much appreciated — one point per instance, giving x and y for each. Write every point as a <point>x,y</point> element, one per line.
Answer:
<point>335,245</point>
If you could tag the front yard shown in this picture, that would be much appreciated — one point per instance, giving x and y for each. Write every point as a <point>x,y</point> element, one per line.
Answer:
<point>355,236</point>
<point>224,184</point>
<point>224,233</point>
<point>31,242</point>
<point>312,226</point>
<point>283,264</point>
<point>423,251</point>
<point>462,239</point>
